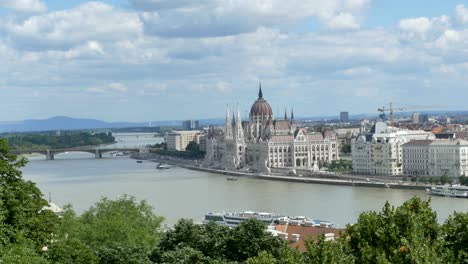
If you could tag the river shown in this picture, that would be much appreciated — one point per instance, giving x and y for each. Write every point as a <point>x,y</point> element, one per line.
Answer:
<point>81,180</point>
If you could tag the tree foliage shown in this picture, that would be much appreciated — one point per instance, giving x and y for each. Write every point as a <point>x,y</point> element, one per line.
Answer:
<point>22,214</point>
<point>40,141</point>
<point>407,234</point>
<point>112,231</point>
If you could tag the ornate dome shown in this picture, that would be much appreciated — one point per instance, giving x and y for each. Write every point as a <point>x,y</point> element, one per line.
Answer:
<point>261,106</point>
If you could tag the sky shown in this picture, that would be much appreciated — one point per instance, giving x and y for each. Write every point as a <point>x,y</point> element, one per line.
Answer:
<point>148,60</point>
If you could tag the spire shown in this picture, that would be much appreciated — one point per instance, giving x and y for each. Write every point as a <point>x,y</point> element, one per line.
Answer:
<point>239,128</point>
<point>285,114</point>
<point>260,93</point>
<point>239,120</point>
<point>228,128</point>
<point>227,114</point>
<point>292,115</point>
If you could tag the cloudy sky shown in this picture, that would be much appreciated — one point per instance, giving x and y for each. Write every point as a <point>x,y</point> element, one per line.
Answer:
<point>140,60</point>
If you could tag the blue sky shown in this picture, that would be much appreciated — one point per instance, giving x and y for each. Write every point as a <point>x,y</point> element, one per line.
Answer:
<point>140,60</point>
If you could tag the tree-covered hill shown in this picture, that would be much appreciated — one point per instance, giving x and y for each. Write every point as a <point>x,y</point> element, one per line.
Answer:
<point>45,140</point>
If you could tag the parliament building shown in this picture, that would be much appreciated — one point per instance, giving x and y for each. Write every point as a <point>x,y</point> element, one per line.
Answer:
<point>265,143</point>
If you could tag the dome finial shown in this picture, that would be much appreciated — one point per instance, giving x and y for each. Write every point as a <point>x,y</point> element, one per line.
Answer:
<point>260,93</point>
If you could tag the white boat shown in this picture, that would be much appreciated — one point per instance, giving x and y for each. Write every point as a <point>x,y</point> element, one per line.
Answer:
<point>449,191</point>
<point>232,178</point>
<point>163,166</point>
<point>234,219</point>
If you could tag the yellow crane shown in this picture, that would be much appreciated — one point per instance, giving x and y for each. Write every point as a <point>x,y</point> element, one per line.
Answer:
<point>390,109</point>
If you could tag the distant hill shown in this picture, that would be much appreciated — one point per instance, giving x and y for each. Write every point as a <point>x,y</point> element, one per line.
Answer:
<point>69,123</point>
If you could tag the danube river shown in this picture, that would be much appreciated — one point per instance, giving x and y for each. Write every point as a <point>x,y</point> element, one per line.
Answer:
<point>81,180</point>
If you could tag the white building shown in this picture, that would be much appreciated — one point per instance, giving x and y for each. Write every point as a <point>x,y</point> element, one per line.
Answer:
<point>264,143</point>
<point>178,140</point>
<point>436,158</point>
<point>380,152</point>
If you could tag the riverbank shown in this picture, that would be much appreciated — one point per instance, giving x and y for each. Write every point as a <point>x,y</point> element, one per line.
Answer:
<point>329,179</point>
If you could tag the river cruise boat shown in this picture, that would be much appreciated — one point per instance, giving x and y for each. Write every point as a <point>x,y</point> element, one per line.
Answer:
<point>449,191</point>
<point>234,219</point>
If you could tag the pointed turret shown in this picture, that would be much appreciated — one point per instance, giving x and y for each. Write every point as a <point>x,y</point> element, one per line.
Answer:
<point>228,128</point>
<point>260,93</point>
<point>285,114</point>
<point>239,130</point>
<point>233,126</point>
<point>292,115</point>
<point>292,123</point>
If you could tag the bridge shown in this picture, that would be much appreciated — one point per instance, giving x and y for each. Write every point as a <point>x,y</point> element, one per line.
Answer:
<point>50,153</point>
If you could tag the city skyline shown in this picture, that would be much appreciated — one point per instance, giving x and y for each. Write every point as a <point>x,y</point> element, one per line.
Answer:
<point>131,60</point>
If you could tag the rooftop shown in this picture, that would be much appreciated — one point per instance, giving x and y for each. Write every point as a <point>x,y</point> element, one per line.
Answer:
<point>306,232</point>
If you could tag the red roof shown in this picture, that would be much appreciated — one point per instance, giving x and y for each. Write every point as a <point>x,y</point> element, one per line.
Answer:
<point>306,232</point>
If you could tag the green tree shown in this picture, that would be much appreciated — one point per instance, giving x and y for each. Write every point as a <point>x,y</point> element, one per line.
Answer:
<point>346,149</point>
<point>184,255</point>
<point>463,180</point>
<point>22,214</point>
<point>320,251</point>
<point>193,146</point>
<point>71,251</point>
<point>123,254</point>
<point>407,234</point>
<point>20,253</point>
<point>119,223</point>
<point>455,234</point>
<point>249,239</point>
<point>444,178</point>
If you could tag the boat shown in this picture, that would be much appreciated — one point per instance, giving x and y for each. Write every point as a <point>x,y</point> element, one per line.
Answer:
<point>163,166</point>
<point>139,161</point>
<point>449,191</point>
<point>234,219</point>
<point>232,178</point>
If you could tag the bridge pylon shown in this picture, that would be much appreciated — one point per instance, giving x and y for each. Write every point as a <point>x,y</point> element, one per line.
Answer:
<point>49,155</point>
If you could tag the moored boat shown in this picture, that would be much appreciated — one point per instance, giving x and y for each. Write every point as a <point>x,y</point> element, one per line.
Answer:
<point>234,219</point>
<point>449,191</point>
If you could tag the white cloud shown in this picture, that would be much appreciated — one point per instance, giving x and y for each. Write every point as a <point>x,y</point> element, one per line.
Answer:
<point>461,14</point>
<point>343,21</point>
<point>233,45</point>
<point>29,6</point>
<point>419,25</point>
<point>211,18</point>
<point>117,87</point>
<point>64,29</point>
<point>448,38</point>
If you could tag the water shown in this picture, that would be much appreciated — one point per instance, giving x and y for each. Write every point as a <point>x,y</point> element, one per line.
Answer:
<point>81,180</point>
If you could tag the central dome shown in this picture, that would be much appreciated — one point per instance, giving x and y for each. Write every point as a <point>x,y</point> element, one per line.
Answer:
<point>261,106</point>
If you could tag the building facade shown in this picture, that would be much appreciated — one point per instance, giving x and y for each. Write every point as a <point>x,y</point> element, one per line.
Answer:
<point>178,140</point>
<point>435,158</point>
<point>263,142</point>
<point>190,125</point>
<point>380,152</point>
<point>344,117</point>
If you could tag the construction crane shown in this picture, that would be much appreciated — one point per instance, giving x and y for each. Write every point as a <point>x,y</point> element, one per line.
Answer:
<point>391,110</point>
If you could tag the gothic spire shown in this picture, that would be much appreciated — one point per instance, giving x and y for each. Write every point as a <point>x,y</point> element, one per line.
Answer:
<point>228,127</point>
<point>285,114</point>
<point>260,93</point>
<point>292,115</point>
